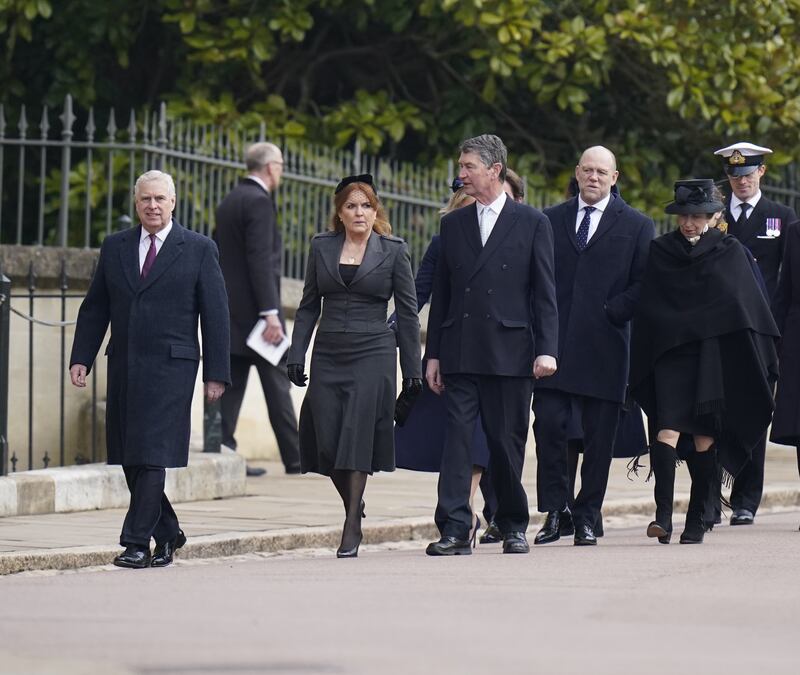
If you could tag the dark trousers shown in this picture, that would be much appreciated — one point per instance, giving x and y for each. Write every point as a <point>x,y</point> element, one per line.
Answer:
<point>276,387</point>
<point>551,410</point>
<point>504,406</point>
<point>150,515</point>
<point>749,484</point>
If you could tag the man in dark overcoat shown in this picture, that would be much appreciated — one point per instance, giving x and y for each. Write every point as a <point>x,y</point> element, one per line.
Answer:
<point>493,325</point>
<point>601,247</point>
<point>761,225</point>
<point>250,251</point>
<point>152,284</point>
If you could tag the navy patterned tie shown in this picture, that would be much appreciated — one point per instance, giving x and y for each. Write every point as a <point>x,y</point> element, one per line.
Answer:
<point>583,228</point>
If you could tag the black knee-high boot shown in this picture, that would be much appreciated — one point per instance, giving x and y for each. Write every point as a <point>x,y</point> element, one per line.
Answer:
<point>702,466</point>
<point>662,463</point>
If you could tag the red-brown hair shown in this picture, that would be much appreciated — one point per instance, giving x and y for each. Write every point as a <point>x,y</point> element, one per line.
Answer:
<point>381,225</point>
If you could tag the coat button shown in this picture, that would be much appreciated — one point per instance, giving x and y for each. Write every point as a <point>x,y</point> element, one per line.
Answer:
<point>467,289</point>
<point>504,267</point>
<point>489,292</point>
<point>466,315</point>
<point>488,316</point>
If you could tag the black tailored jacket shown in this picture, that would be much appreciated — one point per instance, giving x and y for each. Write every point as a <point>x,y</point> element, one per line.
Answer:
<point>361,307</point>
<point>250,250</point>
<point>768,251</point>
<point>493,308</point>
<point>154,353</point>
<point>597,291</point>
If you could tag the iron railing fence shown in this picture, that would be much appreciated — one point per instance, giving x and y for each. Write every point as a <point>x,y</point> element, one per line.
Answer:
<point>63,187</point>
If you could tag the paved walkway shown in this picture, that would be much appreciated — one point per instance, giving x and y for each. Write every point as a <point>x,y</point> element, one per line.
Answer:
<point>285,512</point>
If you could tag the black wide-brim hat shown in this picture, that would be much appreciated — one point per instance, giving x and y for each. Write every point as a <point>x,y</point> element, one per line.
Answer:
<point>695,195</point>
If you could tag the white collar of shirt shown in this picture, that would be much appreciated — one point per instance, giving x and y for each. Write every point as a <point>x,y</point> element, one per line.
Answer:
<point>490,213</point>
<point>594,216</point>
<point>736,203</point>
<point>259,181</point>
<point>144,242</point>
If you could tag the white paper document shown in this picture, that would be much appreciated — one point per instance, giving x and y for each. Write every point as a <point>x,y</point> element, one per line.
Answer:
<point>258,344</point>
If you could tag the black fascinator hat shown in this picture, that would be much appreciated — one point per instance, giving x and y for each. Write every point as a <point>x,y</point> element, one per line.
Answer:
<point>695,195</point>
<point>457,184</point>
<point>360,178</point>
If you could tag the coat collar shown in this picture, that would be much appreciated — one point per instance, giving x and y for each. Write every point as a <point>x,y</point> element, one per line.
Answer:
<point>505,223</point>
<point>609,218</point>
<point>171,249</point>
<point>374,255</point>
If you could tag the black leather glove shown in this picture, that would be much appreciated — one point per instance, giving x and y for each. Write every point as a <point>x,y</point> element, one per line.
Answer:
<point>412,387</point>
<point>296,374</point>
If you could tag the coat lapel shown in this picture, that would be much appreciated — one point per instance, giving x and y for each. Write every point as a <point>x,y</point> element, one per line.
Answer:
<point>373,256</point>
<point>752,226</point>
<point>568,222</point>
<point>331,251</point>
<point>472,228</point>
<point>129,256</point>
<point>607,220</point>
<point>171,250</point>
<point>505,223</point>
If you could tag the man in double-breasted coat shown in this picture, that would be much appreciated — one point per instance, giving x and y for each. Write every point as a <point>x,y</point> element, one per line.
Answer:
<point>152,284</point>
<point>493,326</point>
<point>761,225</point>
<point>601,247</point>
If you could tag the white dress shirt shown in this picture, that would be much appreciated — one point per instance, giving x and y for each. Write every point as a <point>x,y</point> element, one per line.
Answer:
<point>144,243</point>
<point>488,214</point>
<point>594,217</point>
<point>736,205</point>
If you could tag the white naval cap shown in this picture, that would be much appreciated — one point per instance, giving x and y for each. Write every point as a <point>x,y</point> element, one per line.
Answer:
<point>740,159</point>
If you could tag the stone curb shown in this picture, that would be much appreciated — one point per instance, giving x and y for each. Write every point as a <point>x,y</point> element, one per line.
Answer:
<point>90,487</point>
<point>242,543</point>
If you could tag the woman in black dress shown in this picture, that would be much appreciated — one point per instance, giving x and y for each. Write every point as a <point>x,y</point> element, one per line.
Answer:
<point>703,358</point>
<point>346,421</point>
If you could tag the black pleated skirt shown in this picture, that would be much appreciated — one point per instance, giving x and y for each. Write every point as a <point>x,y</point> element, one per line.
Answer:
<point>347,417</point>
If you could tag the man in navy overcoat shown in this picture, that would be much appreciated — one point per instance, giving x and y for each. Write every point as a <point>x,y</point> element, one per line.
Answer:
<point>152,284</point>
<point>601,247</point>
<point>493,326</point>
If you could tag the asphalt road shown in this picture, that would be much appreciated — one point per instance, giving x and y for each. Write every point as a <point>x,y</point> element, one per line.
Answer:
<point>630,605</point>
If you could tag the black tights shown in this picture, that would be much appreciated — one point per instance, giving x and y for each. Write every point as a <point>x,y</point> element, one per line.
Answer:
<point>350,486</point>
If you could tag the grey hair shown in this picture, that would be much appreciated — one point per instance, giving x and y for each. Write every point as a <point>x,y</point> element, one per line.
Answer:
<point>153,176</point>
<point>258,155</point>
<point>490,149</point>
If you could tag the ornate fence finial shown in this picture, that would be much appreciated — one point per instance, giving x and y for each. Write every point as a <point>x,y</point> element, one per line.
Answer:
<point>23,122</point>
<point>111,127</point>
<point>2,121</point>
<point>44,125</point>
<point>132,129</point>
<point>67,118</point>
<point>90,127</point>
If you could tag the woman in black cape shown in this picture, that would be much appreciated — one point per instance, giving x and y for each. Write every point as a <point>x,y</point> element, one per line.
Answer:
<point>703,360</point>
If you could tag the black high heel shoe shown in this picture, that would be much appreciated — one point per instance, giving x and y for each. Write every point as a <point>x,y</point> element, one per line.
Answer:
<point>349,552</point>
<point>363,512</point>
<point>475,531</point>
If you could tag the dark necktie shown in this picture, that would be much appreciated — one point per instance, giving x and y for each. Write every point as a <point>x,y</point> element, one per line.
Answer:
<point>742,219</point>
<point>150,258</point>
<point>583,228</point>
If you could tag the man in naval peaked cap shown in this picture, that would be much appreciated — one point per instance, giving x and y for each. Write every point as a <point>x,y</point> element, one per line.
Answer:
<point>760,224</point>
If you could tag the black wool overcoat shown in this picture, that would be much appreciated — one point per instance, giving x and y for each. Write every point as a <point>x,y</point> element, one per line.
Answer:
<point>250,251</point>
<point>493,309</point>
<point>786,307</point>
<point>154,352</point>
<point>597,290</point>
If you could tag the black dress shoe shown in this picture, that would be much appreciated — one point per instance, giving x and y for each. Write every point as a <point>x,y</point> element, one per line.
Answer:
<point>492,534</point>
<point>657,530</point>
<point>693,533</point>
<point>551,530</point>
<point>742,517</point>
<point>162,556</point>
<point>449,546</point>
<point>253,471</point>
<point>293,469</point>
<point>584,536</point>
<point>515,542</point>
<point>134,557</point>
